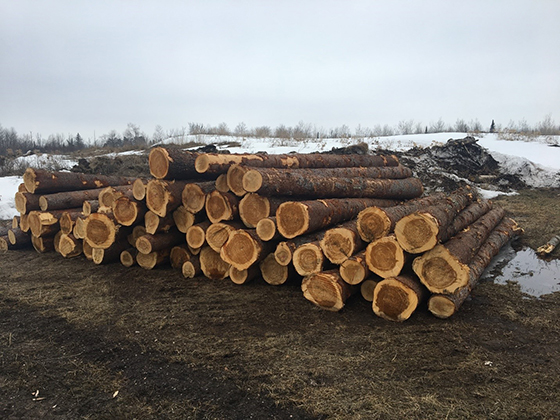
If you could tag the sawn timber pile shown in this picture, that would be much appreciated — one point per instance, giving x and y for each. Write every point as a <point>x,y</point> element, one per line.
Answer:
<point>338,224</point>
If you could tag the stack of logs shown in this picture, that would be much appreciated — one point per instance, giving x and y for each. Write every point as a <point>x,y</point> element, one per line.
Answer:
<point>339,224</point>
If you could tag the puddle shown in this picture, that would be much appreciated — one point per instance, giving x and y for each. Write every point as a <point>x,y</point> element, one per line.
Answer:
<point>535,276</point>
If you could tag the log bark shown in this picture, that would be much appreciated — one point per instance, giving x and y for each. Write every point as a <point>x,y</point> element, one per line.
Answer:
<point>191,268</point>
<point>26,202</point>
<point>244,248</point>
<point>148,243</point>
<point>128,257</point>
<point>179,255</point>
<point>377,222</point>
<point>172,163</point>
<point>139,189</point>
<point>67,199</point>
<point>295,218</point>
<point>422,230</point>
<point>549,246</point>
<point>319,185</point>
<point>194,195</point>
<point>217,163</point>
<point>221,206</point>
<point>90,206</point>
<point>443,306</point>
<point>184,219</point>
<point>39,181</point>
<point>196,234</point>
<point>69,246</point>
<point>355,269</point>
<point>43,244</point>
<point>18,239</point>
<point>396,298</point>
<point>342,242</point>
<point>243,276</point>
<point>68,220</point>
<point>274,273</point>
<point>153,223</point>
<point>129,211</point>
<point>367,288</point>
<point>101,230</point>
<point>162,197</point>
<point>217,234</point>
<point>327,290</point>
<point>285,250</point>
<point>212,265</point>
<point>153,259</point>
<point>385,257</point>
<point>254,207</point>
<point>444,269</point>
<point>308,259</point>
<point>266,229</point>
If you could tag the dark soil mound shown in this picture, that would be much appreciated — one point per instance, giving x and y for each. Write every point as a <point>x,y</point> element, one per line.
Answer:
<point>124,165</point>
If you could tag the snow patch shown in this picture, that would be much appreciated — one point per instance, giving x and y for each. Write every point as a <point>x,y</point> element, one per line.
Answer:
<point>8,189</point>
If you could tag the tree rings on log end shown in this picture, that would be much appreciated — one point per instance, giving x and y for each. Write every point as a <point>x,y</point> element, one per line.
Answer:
<point>272,272</point>
<point>159,162</point>
<point>353,272</point>
<point>308,259</point>
<point>234,179</point>
<point>393,300</point>
<point>212,265</point>
<point>441,306</point>
<point>373,224</point>
<point>417,232</point>
<point>99,230</point>
<point>157,197</point>
<point>338,244</point>
<point>266,228</point>
<point>366,289</point>
<point>253,208</point>
<point>252,180</point>
<point>292,219</point>
<point>385,257</point>
<point>323,290</point>
<point>440,271</point>
<point>240,250</point>
<point>218,207</point>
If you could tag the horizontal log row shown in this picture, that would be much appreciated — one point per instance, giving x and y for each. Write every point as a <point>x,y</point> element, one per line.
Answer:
<point>337,224</point>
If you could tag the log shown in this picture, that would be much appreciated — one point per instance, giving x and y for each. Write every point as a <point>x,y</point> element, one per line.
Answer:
<point>191,268</point>
<point>444,269</point>
<point>67,199</point>
<point>549,246</point>
<point>79,229</point>
<point>295,218</point>
<point>153,223</point>
<point>40,181</point>
<point>15,222</point>
<point>22,188</point>
<point>137,231</point>
<point>234,179</point>
<point>67,221</point>
<point>274,273</point>
<point>153,259</point>
<point>184,219</point>
<point>172,163</point>
<point>179,255</point>
<point>212,265</point>
<point>221,183</point>
<point>285,250</point>
<point>367,288</point>
<point>254,207</point>
<point>90,206</point>
<point>244,248</point>
<point>443,306</point>
<point>327,290</point>
<point>221,163</point>
<point>69,246</point>
<point>196,234</point>
<point>129,211</point>
<point>24,222</point>
<point>308,259</point>
<point>319,186</point>
<point>194,195</point>
<point>217,234</point>
<point>266,229</point>
<point>377,222</point>
<point>265,180</point>
<point>422,230</point>
<point>18,239</point>
<point>4,243</point>
<point>43,244</point>
<point>162,197</point>
<point>221,206</point>
<point>56,241</point>
<point>139,189</point>
<point>243,276</point>
<point>26,202</point>
<point>342,242</point>
<point>111,254</point>
<point>101,230</point>
<point>355,269</point>
<point>44,223</point>
<point>396,298</point>
<point>128,257</point>
<point>385,257</point>
<point>87,250</point>
<point>149,243</point>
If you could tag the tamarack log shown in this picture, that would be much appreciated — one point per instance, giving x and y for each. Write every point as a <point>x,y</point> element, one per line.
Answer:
<point>327,290</point>
<point>396,298</point>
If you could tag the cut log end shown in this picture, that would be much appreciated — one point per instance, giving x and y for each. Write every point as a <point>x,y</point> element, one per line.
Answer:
<point>326,290</point>
<point>292,219</point>
<point>367,288</point>
<point>191,268</point>
<point>193,197</point>
<point>440,271</point>
<point>159,162</point>
<point>266,229</point>
<point>241,250</point>
<point>441,306</point>
<point>308,259</point>
<point>353,272</point>
<point>253,208</point>
<point>100,230</point>
<point>385,257</point>
<point>29,180</point>
<point>212,265</point>
<point>127,258</point>
<point>195,236</point>
<point>139,189</point>
<point>157,197</point>
<point>218,207</point>
<point>234,179</point>
<point>338,244</point>
<point>272,272</point>
<point>252,180</point>
<point>393,300</point>
<point>417,232</point>
<point>373,224</point>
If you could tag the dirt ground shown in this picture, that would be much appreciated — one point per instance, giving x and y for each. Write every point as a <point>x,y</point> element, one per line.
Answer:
<point>80,341</point>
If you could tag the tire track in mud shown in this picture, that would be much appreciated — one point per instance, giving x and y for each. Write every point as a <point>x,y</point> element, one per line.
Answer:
<point>160,387</point>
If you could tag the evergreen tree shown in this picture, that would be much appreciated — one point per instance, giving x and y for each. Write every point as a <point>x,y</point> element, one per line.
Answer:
<point>492,127</point>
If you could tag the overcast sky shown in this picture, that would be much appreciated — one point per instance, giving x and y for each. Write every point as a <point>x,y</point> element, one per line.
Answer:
<point>84,66</point>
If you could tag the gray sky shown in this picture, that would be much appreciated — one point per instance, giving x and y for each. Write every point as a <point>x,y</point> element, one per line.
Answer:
<point>79,66</point>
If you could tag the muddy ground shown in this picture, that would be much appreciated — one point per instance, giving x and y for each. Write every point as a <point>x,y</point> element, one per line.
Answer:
<point>80,341</point>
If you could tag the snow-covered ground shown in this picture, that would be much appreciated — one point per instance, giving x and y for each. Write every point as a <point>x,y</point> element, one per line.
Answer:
<point>536,161</point>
